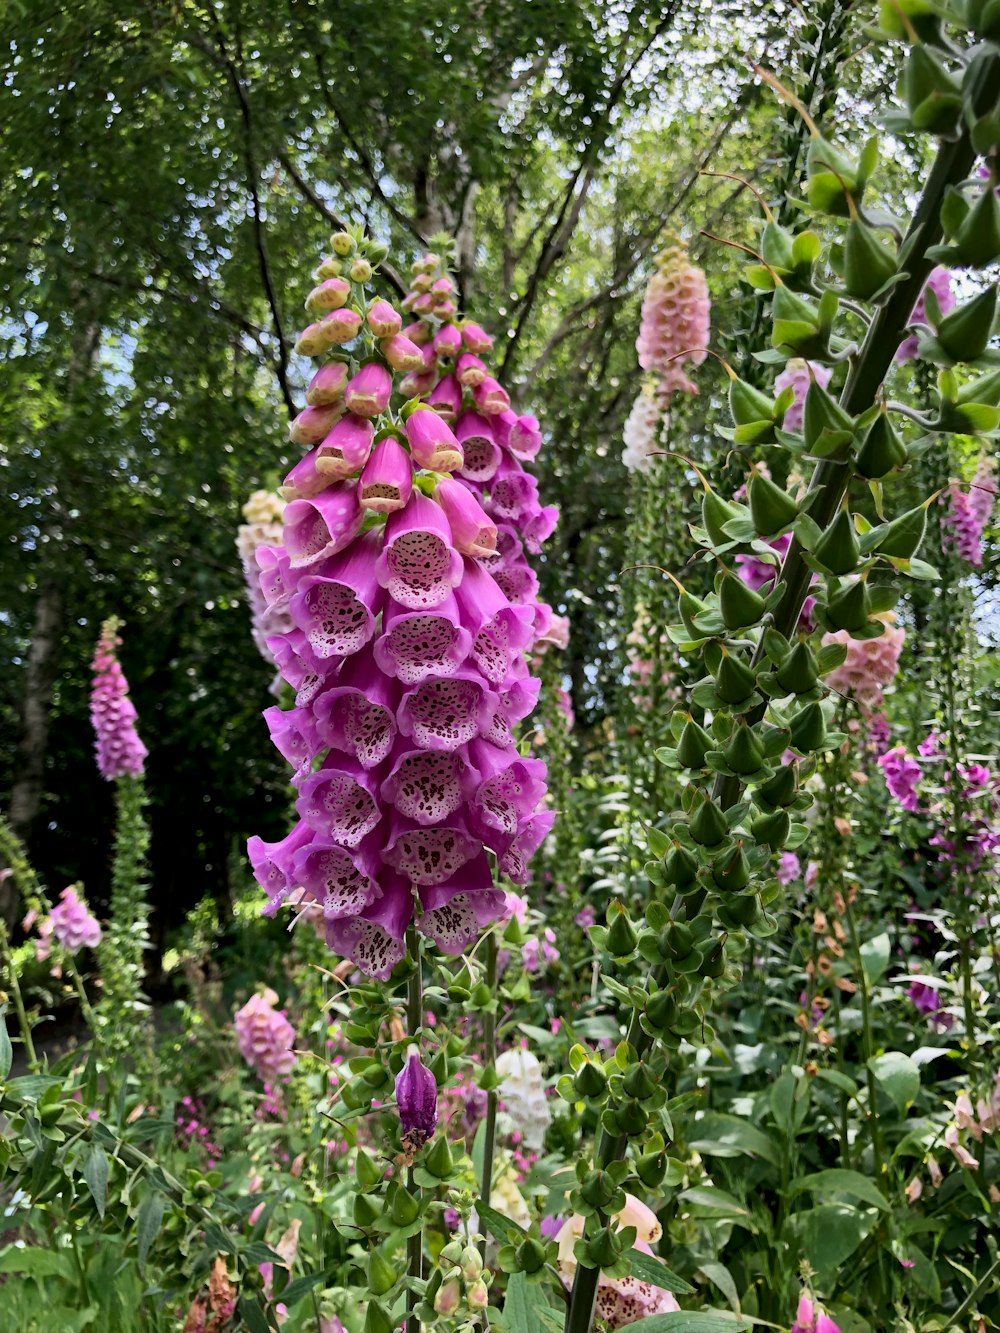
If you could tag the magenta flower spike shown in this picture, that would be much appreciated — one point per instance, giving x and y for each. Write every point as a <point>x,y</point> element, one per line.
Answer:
<point>414,645</point>
<point>383,320</point>
<point>72,923</point>
<point>314,424</point>
<point>402,354</point>
<point>432,441</point>
<point>418,566</point>
<point>387,479</point>
<point>327,386</point>
<point>322,526</point>
<point>472,531</point>
<point>265,1037</point>
<point>336,606</point>
<point>416,1099</point>
<point>476,339</point>
<point>120,752</point>
<point>368,392</point>
<point>446,398</point>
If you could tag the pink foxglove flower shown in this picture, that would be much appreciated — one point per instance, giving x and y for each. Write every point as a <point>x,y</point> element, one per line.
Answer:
<point>72,923</point>
<point>968,512</point>
<point>940,284</point>
<point>798,375</point>
<point>416,1099</point>
<point>902,777</point>
<point>641,431</point>
<point>262,512</point>
<point>120,752</point>
<point>674,326</point>
<point>810,1318</point>
<point>410,612</point>
<point>870,665</point>
<point>265,1036</point>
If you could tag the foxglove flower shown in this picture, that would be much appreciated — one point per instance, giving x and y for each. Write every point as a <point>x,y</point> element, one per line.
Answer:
<point>968,513</point>
<point>120,752</point>
<point>402,609</point>
<point>72,923</point>
<point>416,1099</point>
<point>798,375</point>
<point>940,284</point>
<point>265,1037</point>
<point>641,431</point>
<point>870,665</point>
<point>674,325</point>
<point>522,1091</point>
<point>262,512</point>
<point>902,777</point>
<point>809,1318</point>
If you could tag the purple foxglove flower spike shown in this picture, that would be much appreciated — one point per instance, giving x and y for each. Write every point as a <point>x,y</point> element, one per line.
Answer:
<point>416,1099</point>
<point>368,392</point>
<point>387,479</point>
<point>72,923</point>
<point>432,441</point>
<point>120,752</point>
<point>327,386</point>
<point>472,531</point>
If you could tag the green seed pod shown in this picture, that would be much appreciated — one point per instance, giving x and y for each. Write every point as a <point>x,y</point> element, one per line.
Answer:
<point>631,1117</point>
<point>355,1094</point>
<point>739,911</point>
<point>868,265</point>
<point>694,744</point>
<point>881,450</point>
<point>740,605</point>
<point>377,252</point>
<point>598,1189</point>
<point>639,1083</point>
<point>772,509</point>
<point>798,672</point>
<point>748,404</point>
<point>367,1170</point>
<point>403,1207</point>
<point>714,962</point>
<point>772,830</point>
<point>848,607</point>
<point>381,1274</point>
<point>530,1256</point>
<point>708,824</point>
<point>662,1010</point>
<point>731,870</point>
<point>687,608</point>
<point>377,1319</point>
<point>621,937</point>
<point>964,333</point>
<point>983,16</point>
<point>903,535</point>
<point>590,1080</point>
<point>734,680</point>
<point>782,789</point>
<point>366,1211</point>
<point>375,1075</point>
<point>743,753</point>
<point>838,549</point>
<point>675,940</point>
<point>604,1250</point>
<point>651,1168</point>
<point>933,97</point>
<point>808,729</point>
<point>832,178</point>
<point>439,1160</point>
<point>481,996</point>
<point>776,246</point>
<point>714,513</point>
<point>822,413</point>
<point>680,868</point>
<point>978,239</point>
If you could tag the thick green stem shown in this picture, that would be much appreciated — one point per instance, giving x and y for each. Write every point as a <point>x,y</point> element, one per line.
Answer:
<point>15,990</point>
<point>489,1063</point>
<point>414,1019</point>
<point>868,1048</point>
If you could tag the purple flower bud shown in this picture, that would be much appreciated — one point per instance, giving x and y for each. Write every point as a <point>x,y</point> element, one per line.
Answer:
<point>473,531</point>
<point>341,326</point>
<point>314,424</point>
<point>491,398</point>
<point>327,386</point>
<point>419,333</point>
<point>416,1099</point>
<point>368,392</point>
<point>447,398</point>
<point>417,386</point>
<point>470,370</point>
<point>432,441</point>
<point>476,338</point>
<point>448,342</point>
<point>383,320</point>
<point>402,354</point>
<point>387,481</point>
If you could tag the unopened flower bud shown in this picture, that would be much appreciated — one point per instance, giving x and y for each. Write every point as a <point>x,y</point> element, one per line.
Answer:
<point>327,385</point>
<point>329,295</point>
<point>341,326</point>
<point>368,392</point>
<point>432,442</point>
<point>313,424</point>
<point>478,1296</point>
<point>449,1296</point>
<point>448,342</point>
<point>329,268</point>
<point>471,1263</point>
<point>360,270</point>
<point>416,1099</point>
<point>402,354</point>
<point>491,398</point>
<point>474,533</point>
<point>342,243</point>
<point>383,320</point>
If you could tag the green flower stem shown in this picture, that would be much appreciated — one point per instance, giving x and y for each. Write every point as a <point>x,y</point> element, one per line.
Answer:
<point>489,1060</point>
<point>15,990</point>
<point>868,1048</point>
<point>414,1020</point>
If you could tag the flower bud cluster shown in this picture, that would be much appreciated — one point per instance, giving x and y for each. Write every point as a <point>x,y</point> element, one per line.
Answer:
<point>674,326</point>
<point>265,1036</point>
<point>72,923</point>
<point>968,512</point>
<point>411,609</point>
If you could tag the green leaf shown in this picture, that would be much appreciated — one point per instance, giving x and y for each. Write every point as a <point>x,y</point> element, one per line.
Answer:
<point>649,1269</point>
<point>875,958</point>
<point>501,1227</point>
<point>29,1087</point>
<point>830,1234</point>
<point>301,1286</point>
<point>837,1180</point>
<point>689,1321</point>
<point>720,1276</point>
<point>722,1135</point>
<point>523,1303</point>
<point>898,1076</point>
<point>151,1211</point>
<point>716,1200</point>
<point>95,1173</point>
<point>6,1049</point>
<point>252,1314</point>
<point>35,1262</point>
